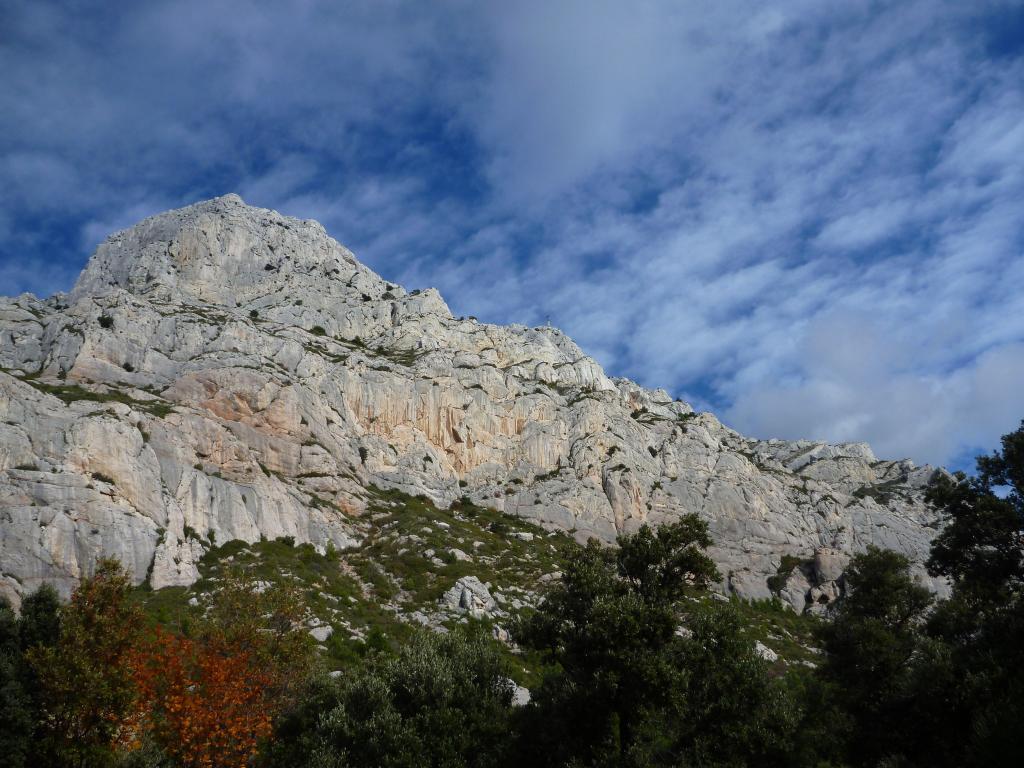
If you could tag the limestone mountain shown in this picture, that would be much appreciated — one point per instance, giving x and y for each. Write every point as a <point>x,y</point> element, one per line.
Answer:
<point>224,372</point>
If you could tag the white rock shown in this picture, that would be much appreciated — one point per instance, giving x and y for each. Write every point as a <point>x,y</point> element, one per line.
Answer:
<point>469,595</point>
<point>225,337</point>
<point>520,696</point>
<point>829,563</point>
<point>321,633</point>
<point>765,652</point>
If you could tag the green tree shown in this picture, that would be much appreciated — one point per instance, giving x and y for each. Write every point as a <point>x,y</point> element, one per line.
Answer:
<point>40,618</point>
<point>16,713</point>
<point>733,712</point>
<point>85,687</point>
<point>38,626</point>
<point>869,647</point>
<point>981,548</point>
<point>660,563</point>
<point>444,700</point>
<point>629,686</point>
<point>970,675</point>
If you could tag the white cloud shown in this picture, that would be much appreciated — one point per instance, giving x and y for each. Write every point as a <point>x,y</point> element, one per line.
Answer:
<point>807,214</point>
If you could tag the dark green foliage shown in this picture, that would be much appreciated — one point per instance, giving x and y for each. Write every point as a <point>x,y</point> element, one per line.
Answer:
<point>84,684</point>
<point>971,680</point>
<point>660,564</point>
<point>444,700</point>
<point>777,582</point>
<point>10,641</point>
<point>629,688</point>
<point>1006,468</point>
<point>40,618</point>
<point>869,646</point>
<point>20,706</point>
<point>733,712</point>
<point>106,321</point>
<point>980,549</point>
<point>318,330</point>
<point>17,714</point>
<point>946,687</point>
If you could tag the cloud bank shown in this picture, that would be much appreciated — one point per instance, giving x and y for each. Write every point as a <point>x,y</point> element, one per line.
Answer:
<point>805,216</point>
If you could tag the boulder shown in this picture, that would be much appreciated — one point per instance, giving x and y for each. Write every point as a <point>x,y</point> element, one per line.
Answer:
<point>469,595</point>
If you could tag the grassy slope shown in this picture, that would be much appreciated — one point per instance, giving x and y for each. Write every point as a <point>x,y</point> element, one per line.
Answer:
<point>405,563</point>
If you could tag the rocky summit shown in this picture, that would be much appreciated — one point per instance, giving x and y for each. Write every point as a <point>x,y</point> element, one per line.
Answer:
<point>222,372</point>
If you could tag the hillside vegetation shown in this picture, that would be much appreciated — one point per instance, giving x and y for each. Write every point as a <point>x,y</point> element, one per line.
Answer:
<point>412,649</point>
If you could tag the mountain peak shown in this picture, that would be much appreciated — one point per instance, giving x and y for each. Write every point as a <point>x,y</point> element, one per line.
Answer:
<point>216,251</point>
<point>224,369</point>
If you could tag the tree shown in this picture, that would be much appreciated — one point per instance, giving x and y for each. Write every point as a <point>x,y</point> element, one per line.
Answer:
<point>734,714</point>
<point>16,713</point>
<point>660,563</point>
<point>263,621</point>
<point>210,698</point>
<point>86,691</point>
<point>630,687</point>
<point>981,548</point>
<point>869,646</point>
<point>973,672</point>
<point>608,626</point>
<point>40,618</point>
<point>38,626</point>
<point>206,706</point>
<point>444,700</point>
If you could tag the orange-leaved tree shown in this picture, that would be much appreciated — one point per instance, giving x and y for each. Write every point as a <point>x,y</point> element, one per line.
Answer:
<point>264,620</point>
<point>205,704</point>
<point>208,699</point>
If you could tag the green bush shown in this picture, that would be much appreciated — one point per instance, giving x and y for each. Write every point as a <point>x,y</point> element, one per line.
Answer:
<point>444,700</point>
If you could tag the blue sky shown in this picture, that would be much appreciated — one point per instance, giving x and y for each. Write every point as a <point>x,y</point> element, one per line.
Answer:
<point>807,216</point>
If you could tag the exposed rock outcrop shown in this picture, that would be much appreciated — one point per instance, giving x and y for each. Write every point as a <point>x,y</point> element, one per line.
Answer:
<point>224,372</point>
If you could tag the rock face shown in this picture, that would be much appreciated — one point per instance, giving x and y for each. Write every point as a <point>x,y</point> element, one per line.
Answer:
<point>224,372</point>
<point>471,595</point>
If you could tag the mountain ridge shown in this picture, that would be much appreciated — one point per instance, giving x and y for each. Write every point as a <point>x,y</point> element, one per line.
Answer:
<point>225,372</point>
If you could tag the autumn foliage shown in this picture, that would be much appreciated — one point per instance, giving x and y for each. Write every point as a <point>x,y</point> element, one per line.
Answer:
<point>210,698</point>
<point>207,705</point>
<point>205,696</point>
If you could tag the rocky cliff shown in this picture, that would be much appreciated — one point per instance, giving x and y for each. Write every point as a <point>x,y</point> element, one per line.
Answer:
<point>223,372</point>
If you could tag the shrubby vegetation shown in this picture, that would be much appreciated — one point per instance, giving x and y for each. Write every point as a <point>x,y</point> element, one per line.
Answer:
<point>443,700</point>
<point>632,665</point>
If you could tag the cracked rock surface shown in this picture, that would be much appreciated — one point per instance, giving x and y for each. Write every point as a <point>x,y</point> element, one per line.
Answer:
<point>224,372</point>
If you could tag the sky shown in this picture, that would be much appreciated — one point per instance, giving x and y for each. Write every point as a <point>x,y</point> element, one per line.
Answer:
<point>805,216</point>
